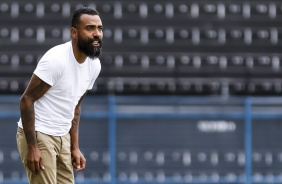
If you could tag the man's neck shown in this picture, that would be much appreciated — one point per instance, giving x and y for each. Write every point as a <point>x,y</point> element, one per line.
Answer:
<point>79,56</point>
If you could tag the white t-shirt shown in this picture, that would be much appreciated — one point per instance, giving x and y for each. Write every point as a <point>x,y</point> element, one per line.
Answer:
<point>58,67</point>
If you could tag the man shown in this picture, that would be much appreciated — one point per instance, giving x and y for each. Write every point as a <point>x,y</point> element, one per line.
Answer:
<point>47,136</point>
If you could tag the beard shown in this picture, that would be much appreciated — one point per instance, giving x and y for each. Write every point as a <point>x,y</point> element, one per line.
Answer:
<point>87,47</point>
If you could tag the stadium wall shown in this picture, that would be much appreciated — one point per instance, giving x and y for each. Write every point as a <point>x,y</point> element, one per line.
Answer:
<point>172,139</point>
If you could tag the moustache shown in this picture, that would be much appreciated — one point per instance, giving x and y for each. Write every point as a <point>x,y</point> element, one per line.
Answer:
<point>90,41</point>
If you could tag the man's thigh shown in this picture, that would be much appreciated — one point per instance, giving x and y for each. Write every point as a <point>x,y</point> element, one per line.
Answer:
<point>46,147</point>
<point>64,163</point>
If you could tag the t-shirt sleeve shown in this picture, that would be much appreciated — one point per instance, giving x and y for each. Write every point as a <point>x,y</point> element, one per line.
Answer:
<point>49,70</point>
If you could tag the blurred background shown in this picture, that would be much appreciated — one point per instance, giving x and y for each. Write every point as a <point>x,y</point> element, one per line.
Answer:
<point>189,90</point>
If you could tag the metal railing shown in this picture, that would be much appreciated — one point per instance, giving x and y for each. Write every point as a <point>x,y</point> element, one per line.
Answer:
<point>112,112</point>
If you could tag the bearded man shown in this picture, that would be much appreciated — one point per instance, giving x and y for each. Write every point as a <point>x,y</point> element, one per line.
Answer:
<point>47,134</point>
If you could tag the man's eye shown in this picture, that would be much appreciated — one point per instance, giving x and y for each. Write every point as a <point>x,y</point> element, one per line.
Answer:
<point>89,28</point>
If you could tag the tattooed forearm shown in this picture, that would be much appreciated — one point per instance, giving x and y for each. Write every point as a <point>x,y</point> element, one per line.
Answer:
<point>75,125</point>
<point>74,128</point>
<point>27,115</point>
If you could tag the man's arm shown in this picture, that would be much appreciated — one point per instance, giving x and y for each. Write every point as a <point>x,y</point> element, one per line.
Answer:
<point>35,90</point>
<point>78,159</point>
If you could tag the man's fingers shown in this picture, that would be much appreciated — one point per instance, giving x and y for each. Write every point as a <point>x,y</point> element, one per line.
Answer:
<point>41,163</point>
<point>76,162</point>
<point>34,167</point>
<point>83,162</point>
<point>31,167</point>
<point>37,167</point>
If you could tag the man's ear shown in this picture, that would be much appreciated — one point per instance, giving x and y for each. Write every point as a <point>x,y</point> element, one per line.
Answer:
<point>73,33</point>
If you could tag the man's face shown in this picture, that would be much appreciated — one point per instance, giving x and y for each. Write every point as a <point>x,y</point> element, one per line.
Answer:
<point>89,35</point>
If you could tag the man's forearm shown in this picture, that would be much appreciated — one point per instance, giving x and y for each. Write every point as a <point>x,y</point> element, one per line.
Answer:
<point>75,125</point>
<point>27,116</point>
<point>74,129</point>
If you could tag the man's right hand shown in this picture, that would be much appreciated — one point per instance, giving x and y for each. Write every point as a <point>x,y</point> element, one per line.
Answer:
<point>34,159</point>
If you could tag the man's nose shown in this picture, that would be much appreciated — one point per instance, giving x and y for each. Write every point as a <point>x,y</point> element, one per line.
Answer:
<point>96,33</point>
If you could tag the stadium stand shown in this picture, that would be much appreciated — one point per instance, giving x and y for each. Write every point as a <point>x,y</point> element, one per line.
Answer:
<point>155,47</point>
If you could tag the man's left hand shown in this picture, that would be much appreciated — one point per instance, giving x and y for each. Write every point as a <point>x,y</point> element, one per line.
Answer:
<point>78,160</point>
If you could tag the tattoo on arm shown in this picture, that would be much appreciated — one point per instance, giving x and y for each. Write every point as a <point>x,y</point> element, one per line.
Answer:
<point>75,124</point>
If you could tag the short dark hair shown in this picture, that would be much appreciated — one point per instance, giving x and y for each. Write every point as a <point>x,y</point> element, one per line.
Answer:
<point>81,11</point>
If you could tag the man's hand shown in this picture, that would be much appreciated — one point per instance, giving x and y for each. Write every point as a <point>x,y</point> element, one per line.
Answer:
<point>34,159</point>
<point>78,160</point>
